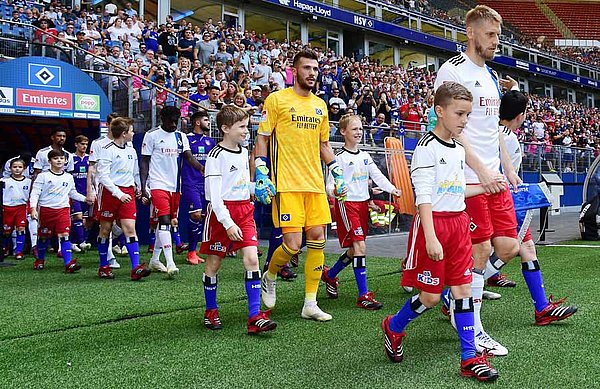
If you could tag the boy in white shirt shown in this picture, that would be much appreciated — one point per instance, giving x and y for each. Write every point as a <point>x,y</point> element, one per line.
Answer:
<point>230,223</point>
<point>51,192</point>
<point>14,201</point>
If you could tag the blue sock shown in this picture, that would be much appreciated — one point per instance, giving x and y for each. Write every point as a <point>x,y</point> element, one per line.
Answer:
<point>533,278</point>
<point>210,291</point>
<point>152,237</point>
<point>275,240</point>
<point>194,233</point>
<point>411,310</point>
<point>102,251</point>
<point>360,273</point>
<point>20,242</point>
<point>465,326</point>
<point>340,265</point>
<point>79,230</point>
<point>133,248</point>
<point>176,236</point>
<point>42,245</point>
<point>253,292</point>
<point>65,248</point>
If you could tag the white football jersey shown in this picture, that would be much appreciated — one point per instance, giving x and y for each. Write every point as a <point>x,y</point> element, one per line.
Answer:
<point>513,147</point>
<point>16,192</point>
<point>438,174</point>
<point>358,167</point>
<point>42,162</point>
<point>227,179</point>
<point>51,190</point>
<point>165,149</point>
<point>118,167</point>
<point>96,147</point>
<point>482,128</point>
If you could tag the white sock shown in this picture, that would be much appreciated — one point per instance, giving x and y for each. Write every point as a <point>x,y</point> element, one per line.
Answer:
<point>493,266</point>
<point>310,303</point>
<point>33,230</point>
<point>111,255</point>
<point>167,244</point>
<point>157,248</point>
<point>477,290</point>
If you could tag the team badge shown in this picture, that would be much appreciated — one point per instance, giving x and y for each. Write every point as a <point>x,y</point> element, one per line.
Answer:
<point>366,161</point>
<point>318,111</point>
<point>285,217</point>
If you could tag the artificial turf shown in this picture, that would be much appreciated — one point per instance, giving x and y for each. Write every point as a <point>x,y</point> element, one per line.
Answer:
<point>76,331</point>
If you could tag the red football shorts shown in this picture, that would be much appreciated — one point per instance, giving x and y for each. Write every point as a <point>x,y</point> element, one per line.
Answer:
<point>111,208</point>
<point>54,221</point>
<point>14,217</point>
<point>492,215</point>
<point>423,273</point>
<point>165,203</point>
<point>352,221</point>
<point>153,217</point>
<point>214,237</point>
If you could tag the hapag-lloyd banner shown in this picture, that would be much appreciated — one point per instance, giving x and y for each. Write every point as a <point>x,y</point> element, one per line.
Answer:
<point>394,30</point>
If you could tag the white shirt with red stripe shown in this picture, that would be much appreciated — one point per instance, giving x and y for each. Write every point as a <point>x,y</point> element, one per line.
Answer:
<point>164,149</point>
<point>438,174</point>
<point>42,162</point>
<point>482,128</point>
<point>51,190</point>
<point>358,167</point>
<point>118,167</point>
<point>513,147</point>
<point>16,192</point>
<point>227,179</point>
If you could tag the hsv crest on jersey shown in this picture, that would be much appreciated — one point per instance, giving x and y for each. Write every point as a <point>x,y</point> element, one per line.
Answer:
<point>285,217</point>
<point>318,111</point>
<point>366,161</point>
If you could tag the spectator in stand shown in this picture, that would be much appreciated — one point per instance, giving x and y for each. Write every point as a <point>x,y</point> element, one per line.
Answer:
<point>278,76</point>
<point>129,11</point>
<point>412,114</point>
<point>186,45</point>
<point>222,55</point>
<point>351,84</point>
<point>167,42</point>
<point>256,94</point>
<point>206,49</point>
<point>379,130</point>
<point>262,71</point>
<point>366,103</point>
<point>539,128</point>
<point>116,33</point>
<point>151,37</point>
<point>133,35</point>
<point>335,113</point>
<point>213,102</point>
<point>336,99</point>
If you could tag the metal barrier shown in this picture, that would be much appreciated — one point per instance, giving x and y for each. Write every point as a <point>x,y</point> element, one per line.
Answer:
<point>541,158</point>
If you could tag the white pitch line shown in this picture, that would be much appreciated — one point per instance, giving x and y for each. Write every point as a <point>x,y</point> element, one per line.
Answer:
<point>589,246</point>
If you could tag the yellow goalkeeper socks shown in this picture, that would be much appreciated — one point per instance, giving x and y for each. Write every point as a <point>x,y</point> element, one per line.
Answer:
<point>313,268</point>
<point>281,256</point>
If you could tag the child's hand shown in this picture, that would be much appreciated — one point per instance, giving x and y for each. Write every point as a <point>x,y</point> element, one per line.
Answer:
<point>397,192</point>
<point>34,214</point>
<point>234,233</point>
<point>434,249</point>
<point>125,198</point>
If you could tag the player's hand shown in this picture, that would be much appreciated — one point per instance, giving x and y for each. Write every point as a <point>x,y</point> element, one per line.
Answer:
<point>508,83</point>
<point>514,179</point>
<point>490,181</point>
<point>397,192</point>
<point>34,214</point>
<point>338,182</point>
<point>125,198</point>
<point>434,249</point>
<point>138,193</point>
<point>234,233</point>
<point>264,189</point>
<point>90,198</point>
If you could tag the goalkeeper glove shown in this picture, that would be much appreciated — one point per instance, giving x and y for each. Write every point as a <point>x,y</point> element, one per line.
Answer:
<point>338,180</point>
<point>264,187</point>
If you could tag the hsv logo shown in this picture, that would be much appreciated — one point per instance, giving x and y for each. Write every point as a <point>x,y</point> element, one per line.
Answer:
<point>45,75</point>
<point>44,99</point>
<point>362,21</point>
<point>284,2</point>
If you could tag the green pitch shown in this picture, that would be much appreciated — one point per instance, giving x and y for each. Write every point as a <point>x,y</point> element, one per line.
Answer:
<point>77,331</point>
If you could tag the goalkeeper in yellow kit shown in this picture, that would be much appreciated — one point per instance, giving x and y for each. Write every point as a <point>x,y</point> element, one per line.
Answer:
<point>295,126</point>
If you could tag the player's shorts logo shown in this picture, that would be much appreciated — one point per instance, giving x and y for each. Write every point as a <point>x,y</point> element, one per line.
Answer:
<point>427,279</point>
<point>107,214</point>
<point>286,217</point>
<point>217,246</point>
<point>472,227</point>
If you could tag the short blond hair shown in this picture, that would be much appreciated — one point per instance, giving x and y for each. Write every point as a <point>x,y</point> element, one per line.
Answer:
<point>229,115</point>
<point>482,12</point>
<point>449,91</point>
<point>346,119</point>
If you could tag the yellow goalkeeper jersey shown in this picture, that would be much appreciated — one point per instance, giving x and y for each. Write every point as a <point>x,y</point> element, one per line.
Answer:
<point>297,125</point>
